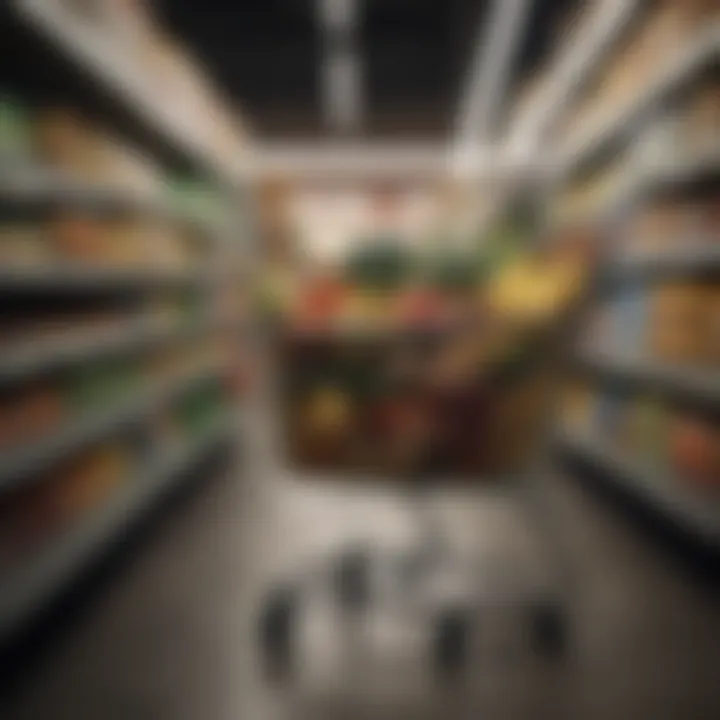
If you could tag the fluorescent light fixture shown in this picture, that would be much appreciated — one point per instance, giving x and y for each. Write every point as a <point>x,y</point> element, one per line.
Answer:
<point>337,14</point>
<point>489,71</point>
<point>341,70</point>
<point>342,91</point>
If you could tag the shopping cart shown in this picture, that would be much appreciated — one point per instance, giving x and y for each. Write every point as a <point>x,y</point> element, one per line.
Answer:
<point>507,463</point>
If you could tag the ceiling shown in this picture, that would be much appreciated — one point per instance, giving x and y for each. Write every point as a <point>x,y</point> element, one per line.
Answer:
<point>267,55</point>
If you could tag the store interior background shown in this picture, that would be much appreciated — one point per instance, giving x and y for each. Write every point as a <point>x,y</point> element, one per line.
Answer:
<point>223,227</point>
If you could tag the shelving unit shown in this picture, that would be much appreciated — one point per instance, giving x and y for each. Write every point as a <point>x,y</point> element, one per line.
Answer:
<point>694,515</point>
<point>42,187</point>
<point>34,586</point>
<point>687,261</point>
<point>620,381</point>
<point>74,278</point>
<point>113,74</point>
<point>584,51</point>
<point>698,387</point>
<point>32,358</point>
<point>623,122</point>
<point>25,464</point>
<point>49,47</point>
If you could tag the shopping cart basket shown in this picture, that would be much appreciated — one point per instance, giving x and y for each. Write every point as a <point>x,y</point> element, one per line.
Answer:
<point>489,433</point>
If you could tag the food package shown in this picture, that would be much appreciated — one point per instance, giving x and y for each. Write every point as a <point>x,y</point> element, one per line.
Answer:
<point>626,324</point>
<point>84,483</point>
<point>577,408</point>
<point>28,413</point>
<point>79,238</point>
<point>644,433</point>
<point>101,384</point>
<point>657,227</point>
<point>702,126</point>
<point>713,325</point>
<point>16,141</point>
<point>681,322</point>
<point>166,247</point>
<point>23,244</point>
<point>65,141</point>
<point>695,452</point>
<point>609,413</point>
<point>125,243</point>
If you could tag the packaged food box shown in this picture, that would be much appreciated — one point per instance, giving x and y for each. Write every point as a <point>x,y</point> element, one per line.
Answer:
<point>29,413</point>
<point>695,451</point>
<point>644,434</point>
<point>682,322</point>
<point>79,238</point>
<point>23,243</point>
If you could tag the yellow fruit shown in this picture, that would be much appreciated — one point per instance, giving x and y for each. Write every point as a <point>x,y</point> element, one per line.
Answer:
<point>328,410</point>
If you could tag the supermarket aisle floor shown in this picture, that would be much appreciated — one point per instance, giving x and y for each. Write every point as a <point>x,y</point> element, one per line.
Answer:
<point>171,636</point>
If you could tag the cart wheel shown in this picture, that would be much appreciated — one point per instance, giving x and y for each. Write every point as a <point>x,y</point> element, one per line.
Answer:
<point>549,628</point>
<point>277,625</point>
<point>353,580</point>
<point>451,643</point>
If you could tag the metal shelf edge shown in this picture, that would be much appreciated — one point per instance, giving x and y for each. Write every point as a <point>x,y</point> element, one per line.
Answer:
<point>690,60</point>
<point>694,384</point>
<point>658,493</point>
<point>32,461</point>
<point>45,578</point>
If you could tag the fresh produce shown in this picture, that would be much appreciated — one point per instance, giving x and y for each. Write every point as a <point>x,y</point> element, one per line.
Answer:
<point>321,301</point>
<point>328,411</point>
<point>383,265</point>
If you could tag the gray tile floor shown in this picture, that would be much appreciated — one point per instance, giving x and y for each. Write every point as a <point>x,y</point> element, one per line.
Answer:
<point>172,635</point>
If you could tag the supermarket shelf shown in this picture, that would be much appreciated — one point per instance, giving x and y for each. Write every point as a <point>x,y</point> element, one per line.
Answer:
<point>119,83</point>
<point>658,491</point>
<point>697,169</point>
<point>585,51</point>
<point>691,386</point>
<point>30,590</point>
<point>30,358</point>
<point>43,186</point>
<point>686,64</point>
<point>680,176</point>
<point>23,466</point>
<point>69,278</point>
<point>701,260</point>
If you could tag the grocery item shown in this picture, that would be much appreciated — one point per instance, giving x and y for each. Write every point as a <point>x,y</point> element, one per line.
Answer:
<point>695,451</point>
<point>644,431</point>
<point>79,238</point>
<point>23,242</point>
<point>577,411</point>
<point>15,128</point>
<point>29,412</point>
<point>609,413</point>
<point>419,306</point>
<point>102,384</point>
<point>65,141</point>
<point>32,517</point>
<point>681,328</point>
<point>534,289</point>
<point>625,324</point>
<point>199,409</point>
<point>658,226</point>
<point>84,483</point>
<point>320,302</point>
